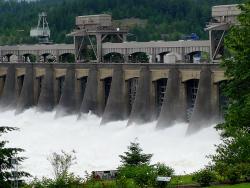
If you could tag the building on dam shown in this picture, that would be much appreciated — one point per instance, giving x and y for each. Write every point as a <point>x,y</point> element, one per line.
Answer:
<point>167,81</point>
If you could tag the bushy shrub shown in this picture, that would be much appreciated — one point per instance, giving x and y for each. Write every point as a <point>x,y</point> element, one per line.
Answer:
<point>164,170</point>
<point>234,172</point>
<point>204,177</point>
<point>69,181</point>
<point>143,175</point>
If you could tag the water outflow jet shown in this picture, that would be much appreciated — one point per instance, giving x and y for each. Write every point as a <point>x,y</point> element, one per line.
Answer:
<point>98,147</point>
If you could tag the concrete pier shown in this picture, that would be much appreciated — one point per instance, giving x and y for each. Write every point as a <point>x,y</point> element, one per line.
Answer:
<point>116,106</point>
<point>68,101</point>
<point>26,98</point>
<point>142,110</point>
<point>203,114</point>
<point>9,98</point>
<point>90,101</point>
<point>46,100</point>
<point>174,108</point>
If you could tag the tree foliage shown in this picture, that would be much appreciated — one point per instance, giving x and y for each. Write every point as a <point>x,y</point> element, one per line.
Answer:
<point>172,18</point>
<point>134,156</point>
<point>61,163</point>
<point>235,131</point>
<point>7,155</point>
<point>204,177</point>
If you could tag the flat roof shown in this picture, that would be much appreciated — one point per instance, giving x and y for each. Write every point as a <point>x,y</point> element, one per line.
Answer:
<point>95,15</point>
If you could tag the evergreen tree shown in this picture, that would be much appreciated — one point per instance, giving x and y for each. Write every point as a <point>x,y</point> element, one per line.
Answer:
<point>7,155</point>
<point>134,156</point>
<point>233,155</point>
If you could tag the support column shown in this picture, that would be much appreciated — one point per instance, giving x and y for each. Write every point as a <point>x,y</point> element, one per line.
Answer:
<point>99,47</point>
<point>153,56</point>
<point>57,57</point>
<point>183,58</point>
<point>211,46</point>
<point>124,36</point>
<point>37,57</point>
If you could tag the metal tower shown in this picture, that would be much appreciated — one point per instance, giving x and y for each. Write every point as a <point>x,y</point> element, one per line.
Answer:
<point>42,31</point>
<point>223,17</point>
<point>93,30</point>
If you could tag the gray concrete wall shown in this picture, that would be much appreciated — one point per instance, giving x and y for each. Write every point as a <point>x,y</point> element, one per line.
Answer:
<point>26,98</point>
<point>90,101</point>
<point>142,110</point>
<point>203,114</point>
<point>174,106</point>
<point>68,101</point>
<point>46,100</point>
<point>8,98</point>
<point>116,106</point>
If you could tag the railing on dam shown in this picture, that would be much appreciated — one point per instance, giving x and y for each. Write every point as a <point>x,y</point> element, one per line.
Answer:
<point>137,92</point>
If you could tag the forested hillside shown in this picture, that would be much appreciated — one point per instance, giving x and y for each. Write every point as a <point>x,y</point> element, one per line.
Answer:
<point>169,18</point>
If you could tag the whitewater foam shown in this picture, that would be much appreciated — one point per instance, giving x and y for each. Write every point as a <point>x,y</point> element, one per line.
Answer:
<point>98,147</point>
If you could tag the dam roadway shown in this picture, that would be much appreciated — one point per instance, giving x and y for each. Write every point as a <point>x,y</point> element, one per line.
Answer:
<point>138,92</point>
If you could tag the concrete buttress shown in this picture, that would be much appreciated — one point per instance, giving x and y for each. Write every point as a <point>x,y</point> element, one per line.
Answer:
<point>26,98</point>
<point>173,108</point>
<point>46,100</point>
<point>67,103</point>
<point>8,98</point>
<point>90,103</point>
<point>142,110</point>
<point>116,105</point>
<point>203,114</point>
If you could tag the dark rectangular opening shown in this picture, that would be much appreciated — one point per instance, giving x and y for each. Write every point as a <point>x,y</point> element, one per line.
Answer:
<point>132,86</point>
<point>20,80</point>
<point>192,90</point>
<point>160,87</point>
<point>107,86</point>
<point>60,86</point>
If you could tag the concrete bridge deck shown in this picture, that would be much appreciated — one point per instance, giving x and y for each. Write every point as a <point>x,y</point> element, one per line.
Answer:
<point>153,48</point>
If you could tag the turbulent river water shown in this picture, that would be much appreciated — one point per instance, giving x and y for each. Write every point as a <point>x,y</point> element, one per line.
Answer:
<point>98,147</point>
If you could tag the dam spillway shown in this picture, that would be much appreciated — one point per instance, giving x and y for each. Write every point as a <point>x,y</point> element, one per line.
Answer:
<point>140,93</point>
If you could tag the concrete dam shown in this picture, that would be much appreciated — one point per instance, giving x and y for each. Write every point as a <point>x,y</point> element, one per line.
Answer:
<point>117,83</point>
<point>138,92</point>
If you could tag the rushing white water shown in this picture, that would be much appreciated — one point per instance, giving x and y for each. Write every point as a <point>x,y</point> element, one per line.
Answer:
<point>98,147</point>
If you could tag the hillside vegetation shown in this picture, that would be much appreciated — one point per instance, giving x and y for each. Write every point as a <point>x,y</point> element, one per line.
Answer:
<point>172,19</point>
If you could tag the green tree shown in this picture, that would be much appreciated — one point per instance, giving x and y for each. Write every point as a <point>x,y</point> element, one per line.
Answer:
<point>235,131</point>
<point>61,163</point>
<point>7,155</point>
<point>134,156</point>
